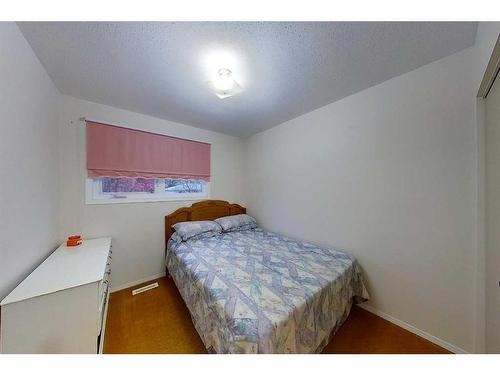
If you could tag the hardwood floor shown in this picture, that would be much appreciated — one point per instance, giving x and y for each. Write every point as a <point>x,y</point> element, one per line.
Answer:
<point>157,321</point>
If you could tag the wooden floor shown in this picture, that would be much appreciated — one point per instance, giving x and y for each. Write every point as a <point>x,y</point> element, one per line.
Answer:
<point>157,321</point>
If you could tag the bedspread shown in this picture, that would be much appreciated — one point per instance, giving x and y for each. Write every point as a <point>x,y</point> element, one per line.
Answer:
<point>255,291</point>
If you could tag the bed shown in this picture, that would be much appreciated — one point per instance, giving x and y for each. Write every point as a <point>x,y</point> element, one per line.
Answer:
<point>254,291</point>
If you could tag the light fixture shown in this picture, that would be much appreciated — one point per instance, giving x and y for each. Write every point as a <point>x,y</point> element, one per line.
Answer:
<point>223,70</point>
<point>224,80</point>
<point>224,84</point>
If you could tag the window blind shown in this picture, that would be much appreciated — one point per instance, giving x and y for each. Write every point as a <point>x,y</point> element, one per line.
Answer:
<point>113,151</point>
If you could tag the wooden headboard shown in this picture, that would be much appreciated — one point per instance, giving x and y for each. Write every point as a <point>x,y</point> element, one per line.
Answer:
<point>204,210</point>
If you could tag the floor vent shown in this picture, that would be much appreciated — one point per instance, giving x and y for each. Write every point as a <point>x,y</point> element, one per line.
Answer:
<point>144,288</point>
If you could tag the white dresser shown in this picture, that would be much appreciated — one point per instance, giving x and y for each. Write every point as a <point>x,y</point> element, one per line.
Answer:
<point>61,306</point>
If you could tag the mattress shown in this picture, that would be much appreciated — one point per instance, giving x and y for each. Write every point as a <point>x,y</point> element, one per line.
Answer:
<point>255,291</point>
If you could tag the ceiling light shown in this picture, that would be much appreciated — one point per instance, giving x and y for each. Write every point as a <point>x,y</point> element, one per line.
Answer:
<point>224,84</point>
<point>224,80</point>
<point>224,71</point>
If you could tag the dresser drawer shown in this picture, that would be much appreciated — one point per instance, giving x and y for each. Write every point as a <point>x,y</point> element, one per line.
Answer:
<point>102,310</point>
<point>104,284</point>
<point>104,290</point>
<point>102,295</point>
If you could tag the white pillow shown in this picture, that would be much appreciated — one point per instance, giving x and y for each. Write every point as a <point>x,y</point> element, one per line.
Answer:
<point>190,229</point>
<point>236,222</point>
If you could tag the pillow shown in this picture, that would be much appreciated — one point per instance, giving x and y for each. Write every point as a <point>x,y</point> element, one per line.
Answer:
<point>236,222</point>
<point>190,229</point>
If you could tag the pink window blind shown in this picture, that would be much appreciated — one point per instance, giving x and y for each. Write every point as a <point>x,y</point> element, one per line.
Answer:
<point>113,151</point>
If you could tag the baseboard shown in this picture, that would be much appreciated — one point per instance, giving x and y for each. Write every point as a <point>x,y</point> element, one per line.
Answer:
<point>436,340</point>
<point>136,282</point>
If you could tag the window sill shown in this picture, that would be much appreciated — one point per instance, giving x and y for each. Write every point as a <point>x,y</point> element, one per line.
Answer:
<point>135,200</point>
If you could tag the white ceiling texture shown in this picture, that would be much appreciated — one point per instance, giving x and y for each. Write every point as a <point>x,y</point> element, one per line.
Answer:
<point>285,69</point>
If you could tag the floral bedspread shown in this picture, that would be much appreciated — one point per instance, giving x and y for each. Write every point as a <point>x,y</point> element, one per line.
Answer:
<point>254,291</point>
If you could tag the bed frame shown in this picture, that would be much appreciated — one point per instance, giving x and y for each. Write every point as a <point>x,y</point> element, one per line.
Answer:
<point>204,210</point>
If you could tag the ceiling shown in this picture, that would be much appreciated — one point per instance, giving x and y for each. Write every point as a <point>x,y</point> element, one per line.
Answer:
<point>286,69</point>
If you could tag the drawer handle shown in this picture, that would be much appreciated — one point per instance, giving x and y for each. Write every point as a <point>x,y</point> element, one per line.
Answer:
<point>108,272</point>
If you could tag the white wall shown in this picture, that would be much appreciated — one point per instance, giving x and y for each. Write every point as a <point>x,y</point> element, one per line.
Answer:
<point>493,219</point>
<point>390,175</point>
<point>29,160</point>
<point>488,185</point>
<point>137,228</point>
<point>486,36</point>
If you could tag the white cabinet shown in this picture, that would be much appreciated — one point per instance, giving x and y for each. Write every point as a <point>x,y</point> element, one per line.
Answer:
<point>61,306</point>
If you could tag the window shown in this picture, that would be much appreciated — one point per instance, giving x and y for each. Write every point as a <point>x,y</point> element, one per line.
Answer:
<point>128,165</point>
<point>124,189</point>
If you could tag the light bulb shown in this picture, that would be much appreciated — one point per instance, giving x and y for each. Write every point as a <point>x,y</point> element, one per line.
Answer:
<point>223,80</point>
